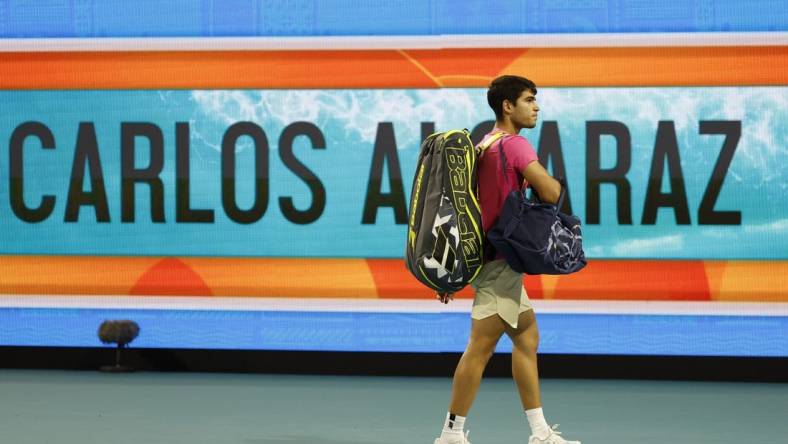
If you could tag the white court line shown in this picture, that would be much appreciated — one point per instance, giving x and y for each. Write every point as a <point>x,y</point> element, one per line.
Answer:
<point>582,40</point>
<point>711,308</point>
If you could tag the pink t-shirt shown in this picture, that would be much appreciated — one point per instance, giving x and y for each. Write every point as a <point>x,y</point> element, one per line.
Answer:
<point>493,187</point>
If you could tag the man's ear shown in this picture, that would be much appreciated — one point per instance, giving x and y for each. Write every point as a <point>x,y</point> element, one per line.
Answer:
<point>504,105</point>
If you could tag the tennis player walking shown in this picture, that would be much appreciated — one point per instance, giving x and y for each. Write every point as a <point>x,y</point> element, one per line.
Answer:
<point>501,303</point>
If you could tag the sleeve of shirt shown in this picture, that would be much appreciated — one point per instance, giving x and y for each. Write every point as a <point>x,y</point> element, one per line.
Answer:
<point>519,153</point>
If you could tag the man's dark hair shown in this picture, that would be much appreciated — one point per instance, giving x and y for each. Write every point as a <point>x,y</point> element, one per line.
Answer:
<point>507,88</point>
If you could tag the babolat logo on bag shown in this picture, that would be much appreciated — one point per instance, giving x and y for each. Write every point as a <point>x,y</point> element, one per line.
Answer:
<point>444,247</point>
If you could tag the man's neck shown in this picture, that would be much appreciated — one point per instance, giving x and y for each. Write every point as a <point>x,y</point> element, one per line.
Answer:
<point>507,127</point>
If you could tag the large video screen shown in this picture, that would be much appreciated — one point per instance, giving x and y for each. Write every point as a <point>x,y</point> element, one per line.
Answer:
<point>255,197</point>
<point>291,196</point>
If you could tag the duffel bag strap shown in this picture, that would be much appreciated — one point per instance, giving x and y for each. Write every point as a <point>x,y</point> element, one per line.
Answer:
<point>486,143</point>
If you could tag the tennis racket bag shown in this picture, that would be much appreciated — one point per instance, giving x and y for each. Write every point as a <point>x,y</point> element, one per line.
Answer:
<point>444,245</point>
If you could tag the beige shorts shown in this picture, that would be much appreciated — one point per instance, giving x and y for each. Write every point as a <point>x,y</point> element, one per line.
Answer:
<point>499,290</point>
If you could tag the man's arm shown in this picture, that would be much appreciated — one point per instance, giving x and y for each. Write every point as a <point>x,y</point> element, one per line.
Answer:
<point>548,189</point>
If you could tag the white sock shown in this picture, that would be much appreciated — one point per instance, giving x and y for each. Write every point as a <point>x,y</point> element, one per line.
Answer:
<point>539,427</point>
<point>453,424</point>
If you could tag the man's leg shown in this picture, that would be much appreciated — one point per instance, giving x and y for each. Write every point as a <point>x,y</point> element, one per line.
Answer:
<point>485,334</point>
<point>525,340</point>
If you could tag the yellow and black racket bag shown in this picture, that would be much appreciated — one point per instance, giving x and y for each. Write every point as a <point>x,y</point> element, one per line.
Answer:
<point>444,246</point>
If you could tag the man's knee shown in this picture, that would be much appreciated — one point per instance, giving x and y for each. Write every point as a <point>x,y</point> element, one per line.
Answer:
<point>532,337</point>
<point>482,348</point>
<point>527,342</point>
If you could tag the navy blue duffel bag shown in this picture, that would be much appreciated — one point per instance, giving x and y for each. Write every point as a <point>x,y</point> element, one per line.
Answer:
<point>535,237</point>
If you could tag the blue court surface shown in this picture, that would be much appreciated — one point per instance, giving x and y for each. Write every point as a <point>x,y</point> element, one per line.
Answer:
<point>90,407</point>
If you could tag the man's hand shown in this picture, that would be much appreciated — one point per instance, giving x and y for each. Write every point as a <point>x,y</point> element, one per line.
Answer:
<point>445,297</point>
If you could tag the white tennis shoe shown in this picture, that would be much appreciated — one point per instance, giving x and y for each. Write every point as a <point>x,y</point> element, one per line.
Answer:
<point>553,438</point>
<point>461,439</point>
